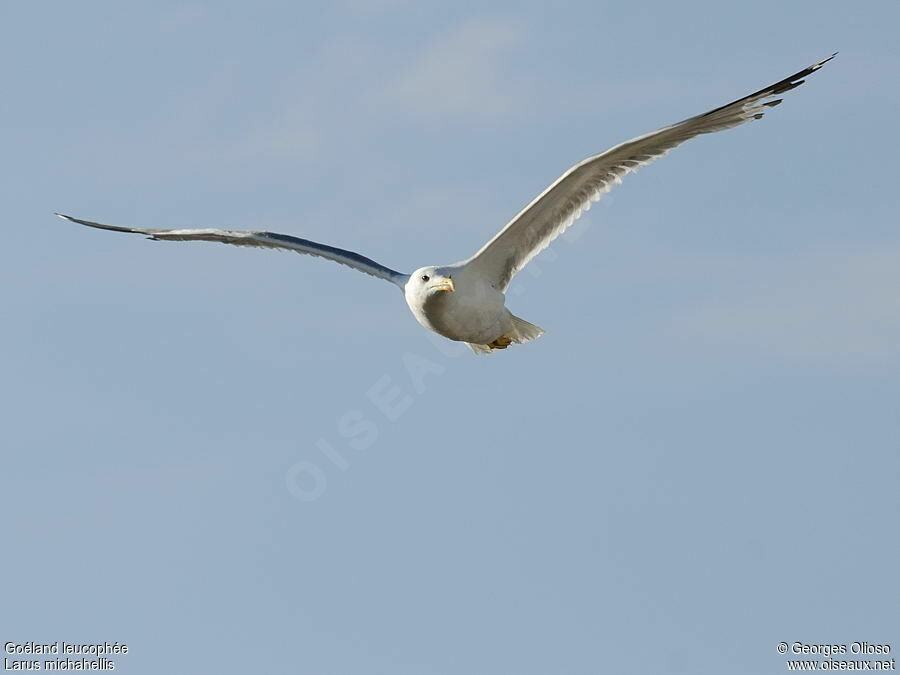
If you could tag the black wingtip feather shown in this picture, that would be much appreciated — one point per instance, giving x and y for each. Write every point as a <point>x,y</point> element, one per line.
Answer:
<point>780,87</point>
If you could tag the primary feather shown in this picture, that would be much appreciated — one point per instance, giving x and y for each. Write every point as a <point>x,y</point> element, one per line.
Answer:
<point>560,205</point>
<point>262,240</point>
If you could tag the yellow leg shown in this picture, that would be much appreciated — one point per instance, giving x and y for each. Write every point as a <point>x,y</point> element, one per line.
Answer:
<point>501,342</point>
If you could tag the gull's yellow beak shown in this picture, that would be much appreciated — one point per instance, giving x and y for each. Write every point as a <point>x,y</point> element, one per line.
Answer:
<point>445,285</point>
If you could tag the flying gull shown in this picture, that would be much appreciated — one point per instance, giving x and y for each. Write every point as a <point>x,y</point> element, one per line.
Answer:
<point>465,301</point>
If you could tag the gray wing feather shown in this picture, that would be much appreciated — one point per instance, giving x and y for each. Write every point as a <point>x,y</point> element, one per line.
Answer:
<point>572,194</point>
<point>262,240</point>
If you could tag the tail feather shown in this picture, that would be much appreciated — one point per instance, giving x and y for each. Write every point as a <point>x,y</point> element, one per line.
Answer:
<point>522,331</point>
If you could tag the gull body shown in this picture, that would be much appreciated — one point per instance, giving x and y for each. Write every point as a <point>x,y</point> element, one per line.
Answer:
<point>466,301</point>
<point>458,303</point>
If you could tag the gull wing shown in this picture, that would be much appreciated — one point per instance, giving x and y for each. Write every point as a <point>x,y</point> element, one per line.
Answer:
<point>262,240</point>
<point>544,219</point>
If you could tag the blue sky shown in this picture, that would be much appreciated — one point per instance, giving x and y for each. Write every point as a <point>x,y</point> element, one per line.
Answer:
<point>249,461</point>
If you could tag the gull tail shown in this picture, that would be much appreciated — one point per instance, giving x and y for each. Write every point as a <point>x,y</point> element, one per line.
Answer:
<point>522,331</point>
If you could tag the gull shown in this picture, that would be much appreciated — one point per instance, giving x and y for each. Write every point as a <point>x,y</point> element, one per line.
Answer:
<point>466,301</point>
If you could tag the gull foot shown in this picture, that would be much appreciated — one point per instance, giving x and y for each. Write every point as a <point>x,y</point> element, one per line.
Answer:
<point>501,342</point>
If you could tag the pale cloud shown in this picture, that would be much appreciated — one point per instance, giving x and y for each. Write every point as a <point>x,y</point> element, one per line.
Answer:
<point>832,308</point>
<point>184,17</point>
<point>292,135</point>
<point>465,73</point>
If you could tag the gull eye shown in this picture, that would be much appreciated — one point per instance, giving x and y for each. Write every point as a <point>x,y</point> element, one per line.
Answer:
<point>424,277</point>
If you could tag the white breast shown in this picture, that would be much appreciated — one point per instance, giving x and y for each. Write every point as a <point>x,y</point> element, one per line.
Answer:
<point>475,312</point>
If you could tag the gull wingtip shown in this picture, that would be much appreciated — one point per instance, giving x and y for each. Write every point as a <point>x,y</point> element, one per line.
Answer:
<point>71,219</point>
<point>824,61</point>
